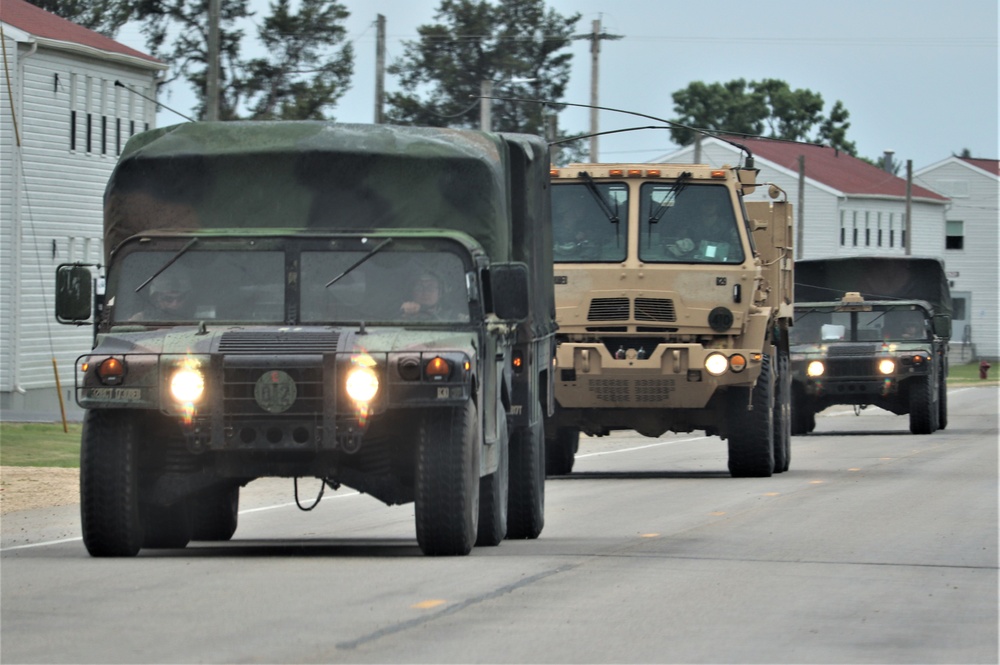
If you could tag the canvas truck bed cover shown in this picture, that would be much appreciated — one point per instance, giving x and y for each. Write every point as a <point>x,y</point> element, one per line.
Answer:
<point>875,277</point>
<point>532,228</point>
<point>311,175</point>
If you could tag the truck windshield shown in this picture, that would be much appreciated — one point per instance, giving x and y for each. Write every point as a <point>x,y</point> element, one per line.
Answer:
<point>689,224</point>
<point>287,283</point>
<point>581,229</point>
<point>879,325</point>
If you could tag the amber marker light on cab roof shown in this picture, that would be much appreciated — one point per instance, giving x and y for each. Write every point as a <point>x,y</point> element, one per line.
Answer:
<point>653,173</point>
<point>719,173</point>
<point>616,173</point>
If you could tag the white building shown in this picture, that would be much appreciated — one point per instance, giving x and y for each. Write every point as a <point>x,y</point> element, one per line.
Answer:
<point>851,208</point>
<point>972,246</point>
<point>74,98</point>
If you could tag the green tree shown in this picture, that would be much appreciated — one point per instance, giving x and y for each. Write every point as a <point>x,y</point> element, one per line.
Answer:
<point>739,107</point>
<point>103,16</point>
<point>186,21</point>
<point>518,44</point>
<point>304,73</point>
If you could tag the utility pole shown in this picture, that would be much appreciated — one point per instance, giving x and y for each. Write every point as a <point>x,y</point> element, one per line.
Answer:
<point>379,69</point>
<point>800,213</point>
<point>212,73</point>
<point>486,105</point>
<point>909,207</point>
<point>595,37</point>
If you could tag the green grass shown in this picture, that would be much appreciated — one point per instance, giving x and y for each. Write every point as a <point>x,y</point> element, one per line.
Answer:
<point>969,372</point>
<point>40,444</point>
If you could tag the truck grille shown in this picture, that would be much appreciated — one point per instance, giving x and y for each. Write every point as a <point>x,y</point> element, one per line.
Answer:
<point>654,309</point>
<point>608,309</point>
<point>240,382</point>
<point>632,391</point>
<point>274,342</point>
<point>618,309</point>
<point>846,367</point>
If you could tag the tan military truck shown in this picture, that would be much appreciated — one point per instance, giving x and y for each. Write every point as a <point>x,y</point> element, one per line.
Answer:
<point>673,297</point>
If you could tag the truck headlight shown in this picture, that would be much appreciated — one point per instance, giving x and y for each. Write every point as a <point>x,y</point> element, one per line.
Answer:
<point>815,368</point>
<point>362,384</point>
<point>887,365</point>
<point>716,364</point>
<point>187,385</point>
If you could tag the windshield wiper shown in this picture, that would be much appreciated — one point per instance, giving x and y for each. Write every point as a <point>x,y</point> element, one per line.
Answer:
<point>672,193</point>
<point>172,261</point>
<point>612,215</point>
<point>372,252</point>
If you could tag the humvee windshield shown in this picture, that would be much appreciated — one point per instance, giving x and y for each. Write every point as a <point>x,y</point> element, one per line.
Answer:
<point>685,223</point>
<point>582,229</point>
<point>883,324</point>
<point>282,281</point>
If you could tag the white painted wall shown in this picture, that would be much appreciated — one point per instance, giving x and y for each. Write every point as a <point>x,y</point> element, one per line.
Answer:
<point>52,209</point>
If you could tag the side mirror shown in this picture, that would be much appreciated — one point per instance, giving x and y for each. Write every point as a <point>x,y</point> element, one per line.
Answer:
<point>509,290</point>
<point>941,325</point>
<point>74,294</point>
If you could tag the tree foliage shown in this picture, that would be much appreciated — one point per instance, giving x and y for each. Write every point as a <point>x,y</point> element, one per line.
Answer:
<point>517,44</point>
<point>304,73</point>
<point>103,16</point>
<point>769,107</point>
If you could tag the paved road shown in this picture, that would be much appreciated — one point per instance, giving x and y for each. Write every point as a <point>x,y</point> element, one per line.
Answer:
<point>877,546</point>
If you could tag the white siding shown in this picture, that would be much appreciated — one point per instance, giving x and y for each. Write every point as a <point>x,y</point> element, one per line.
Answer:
<point>975,267</point>
<point>8,230</point>
<point>59,203</point>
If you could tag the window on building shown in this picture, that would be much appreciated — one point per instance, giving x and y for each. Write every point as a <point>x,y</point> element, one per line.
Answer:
<point>892,229</point>
<point>72,111</point>
<point>954,235</point>
<point>843,230</point>
<point>880,229</point>
<point>854,229</point>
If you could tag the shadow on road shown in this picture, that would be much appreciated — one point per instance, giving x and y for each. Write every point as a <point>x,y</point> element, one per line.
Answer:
<point>298,547</point>
<point>640,475</point>
<point>888,432</point>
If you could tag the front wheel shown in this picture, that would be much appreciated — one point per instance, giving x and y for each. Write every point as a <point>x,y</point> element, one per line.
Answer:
<point>751,430</point>
<point>783,414</point>
<point>109,493</point>
<point>215,513</point>
<point>923,409</point>
<point>560,451</point>
<point>447,480</point>
<point>493,497</point>
<point>526,509</point>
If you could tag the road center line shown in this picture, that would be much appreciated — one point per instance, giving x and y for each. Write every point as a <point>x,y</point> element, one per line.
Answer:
<point>650,445</point>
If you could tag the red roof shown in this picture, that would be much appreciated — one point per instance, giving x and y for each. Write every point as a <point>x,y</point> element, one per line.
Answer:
<point>988,165</point>
<point>40,23</point>
<point>834,168</point>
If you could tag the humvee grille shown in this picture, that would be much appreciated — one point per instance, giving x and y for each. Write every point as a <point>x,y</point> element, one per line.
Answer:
<point>608,309</point>
<point>654,309</point>
<point>636,391</point>
<point>278,342</point>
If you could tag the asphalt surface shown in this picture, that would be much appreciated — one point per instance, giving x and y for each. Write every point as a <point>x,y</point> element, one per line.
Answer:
<point>877,546</point>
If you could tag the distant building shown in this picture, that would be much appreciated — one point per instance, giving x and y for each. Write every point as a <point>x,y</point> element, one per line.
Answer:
<point>851,208</point>
<point>972,246</point>
<point>64,119</point>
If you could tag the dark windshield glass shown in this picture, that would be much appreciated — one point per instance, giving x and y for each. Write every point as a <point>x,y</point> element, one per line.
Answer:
<point>688,224</point>
<point>581,229</point>
<point>201,286</point>
<point>879,325</point>
<point>391,286</point>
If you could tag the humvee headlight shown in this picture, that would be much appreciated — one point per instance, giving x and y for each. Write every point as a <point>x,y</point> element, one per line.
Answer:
<point>362,384</point>
<point>187,385</point>
<point>716,364</point>
<point>815,368</point>
<point>887,365</point>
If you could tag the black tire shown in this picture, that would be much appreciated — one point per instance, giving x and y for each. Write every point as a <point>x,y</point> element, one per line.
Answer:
<point>165,527</point>
<point>109,494</point>
<point>751,432</point>
<point>560,451</point>
<point>923,409</point>
<point>215,514</point>
<point>526,508</point>
<point>942,401</point>
<point>447,480</point>
<point>803,414</point>
<point>783,414</point>
<point>493,495</point>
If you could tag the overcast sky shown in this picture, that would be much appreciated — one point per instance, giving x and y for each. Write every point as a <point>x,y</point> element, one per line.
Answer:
<point>918,76</point>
